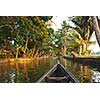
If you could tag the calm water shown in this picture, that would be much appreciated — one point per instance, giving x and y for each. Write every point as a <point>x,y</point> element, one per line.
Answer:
<point>31,71</point>
<point>83,72</point>
<point>25,72</point>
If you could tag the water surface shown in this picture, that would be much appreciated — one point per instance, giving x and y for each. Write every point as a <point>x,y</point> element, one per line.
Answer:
<point>26,71</point>
<point>83,72</point>
<point>31,71</point>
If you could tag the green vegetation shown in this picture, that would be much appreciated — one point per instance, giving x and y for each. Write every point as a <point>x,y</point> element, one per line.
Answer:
<point>23,36</point>
<point>33,37</point>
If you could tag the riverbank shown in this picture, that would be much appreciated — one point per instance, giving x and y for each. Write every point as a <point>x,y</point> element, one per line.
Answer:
<point>10,60</point>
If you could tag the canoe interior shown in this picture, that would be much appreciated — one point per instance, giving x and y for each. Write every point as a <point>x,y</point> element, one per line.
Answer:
<point>58,75</point>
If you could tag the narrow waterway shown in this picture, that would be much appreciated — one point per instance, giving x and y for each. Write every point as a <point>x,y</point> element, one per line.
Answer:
<point>31,71</point>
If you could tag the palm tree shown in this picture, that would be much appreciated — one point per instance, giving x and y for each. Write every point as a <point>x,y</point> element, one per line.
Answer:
<point>83,26</point>
<point>63,32</point>
<point>73,40</point>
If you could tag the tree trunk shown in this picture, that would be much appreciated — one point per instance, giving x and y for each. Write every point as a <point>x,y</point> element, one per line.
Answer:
<point>36,53</point>
<point>64,50</point>
<point>80,50</point>
<point>83,47</point>
<point>17,51</point>
<point>65,46</point>
<point>26,46</point>
<point>33,50</point>
<point>96,29</point>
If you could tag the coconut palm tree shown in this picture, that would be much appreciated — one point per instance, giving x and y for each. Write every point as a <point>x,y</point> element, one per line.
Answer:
<point>83,26</point>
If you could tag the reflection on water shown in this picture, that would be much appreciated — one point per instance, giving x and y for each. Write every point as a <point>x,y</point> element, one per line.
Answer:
<point>31,71</point>
<point>25,72</point>
<point>95,77</point>
<point>84,73</point>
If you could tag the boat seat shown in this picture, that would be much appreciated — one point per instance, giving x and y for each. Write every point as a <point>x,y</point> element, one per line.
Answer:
<point>56,78</point>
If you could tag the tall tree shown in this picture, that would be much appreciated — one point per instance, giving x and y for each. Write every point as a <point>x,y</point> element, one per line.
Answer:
<point>83,25</point>
<point>63,32</point>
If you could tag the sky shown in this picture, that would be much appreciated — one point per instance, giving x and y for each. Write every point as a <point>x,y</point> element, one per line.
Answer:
<point>94,47</point>
<point>59,19</point>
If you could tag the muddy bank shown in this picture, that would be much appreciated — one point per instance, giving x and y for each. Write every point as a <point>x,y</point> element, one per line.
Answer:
<point>9,60</point>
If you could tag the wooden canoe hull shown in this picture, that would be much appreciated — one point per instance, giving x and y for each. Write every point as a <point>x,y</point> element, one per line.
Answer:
<point>58,74</point>
<point>87,60</point>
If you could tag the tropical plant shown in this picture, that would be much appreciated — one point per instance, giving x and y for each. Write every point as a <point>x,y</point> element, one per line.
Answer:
<point>83,26</point>
<point>27,32</point>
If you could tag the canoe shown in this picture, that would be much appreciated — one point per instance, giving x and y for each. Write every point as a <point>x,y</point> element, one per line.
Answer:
<point>85,60</point>
<point>58,74</point>
<point>93,62</point>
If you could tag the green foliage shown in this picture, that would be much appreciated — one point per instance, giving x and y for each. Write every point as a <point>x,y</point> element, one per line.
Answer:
<point>46,18</point>
<point>82,32</point>
<point>27,32</point>
<point>33,36</point>
<point>83,25</point>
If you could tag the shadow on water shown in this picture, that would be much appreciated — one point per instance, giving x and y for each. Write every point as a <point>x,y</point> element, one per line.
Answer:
<point>94,64</point>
